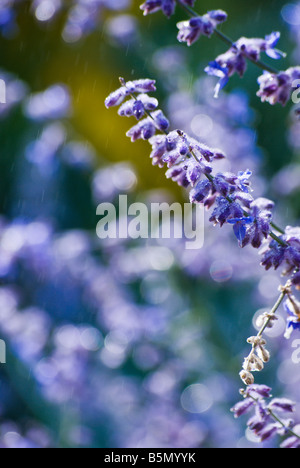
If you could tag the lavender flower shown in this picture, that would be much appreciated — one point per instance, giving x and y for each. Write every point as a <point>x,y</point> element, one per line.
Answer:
<point>235,60</point>
<point>166,6</point>
<point>277,88</point>
<point>190,31</point>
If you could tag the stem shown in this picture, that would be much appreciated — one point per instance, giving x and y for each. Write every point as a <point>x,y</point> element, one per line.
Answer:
<point>277,228</point>
<point>259,63</point>
<point>285,291</point>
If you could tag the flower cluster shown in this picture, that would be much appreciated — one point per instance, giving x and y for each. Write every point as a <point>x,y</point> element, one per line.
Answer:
<point>266,422</point>
<point>138,106</point>
<point>235,60</point>
<point>166,6</point>
<point>190,31</point>
<point>190,164</point>
<point>277,88</point>
<point>286,253</point>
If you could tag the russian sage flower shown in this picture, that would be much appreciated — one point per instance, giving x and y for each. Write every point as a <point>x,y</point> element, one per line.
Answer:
<point>266,421</point>
<point>138,106</point>
<point>190,31</point>
<point>277,88</point>
<point>166,6</point>
<point>235,59</point>
<point>190,164</point>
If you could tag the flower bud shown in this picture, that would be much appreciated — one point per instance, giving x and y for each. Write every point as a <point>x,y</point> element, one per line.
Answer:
<point>247,377</point>
<point>263,354</point>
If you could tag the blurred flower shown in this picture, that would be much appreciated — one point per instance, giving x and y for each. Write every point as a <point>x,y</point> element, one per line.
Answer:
<point>167,6</point>
<point>54,103</point>
<point>278,88</point>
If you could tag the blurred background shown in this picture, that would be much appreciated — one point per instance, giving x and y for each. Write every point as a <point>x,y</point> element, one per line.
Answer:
<point>129,343</point>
